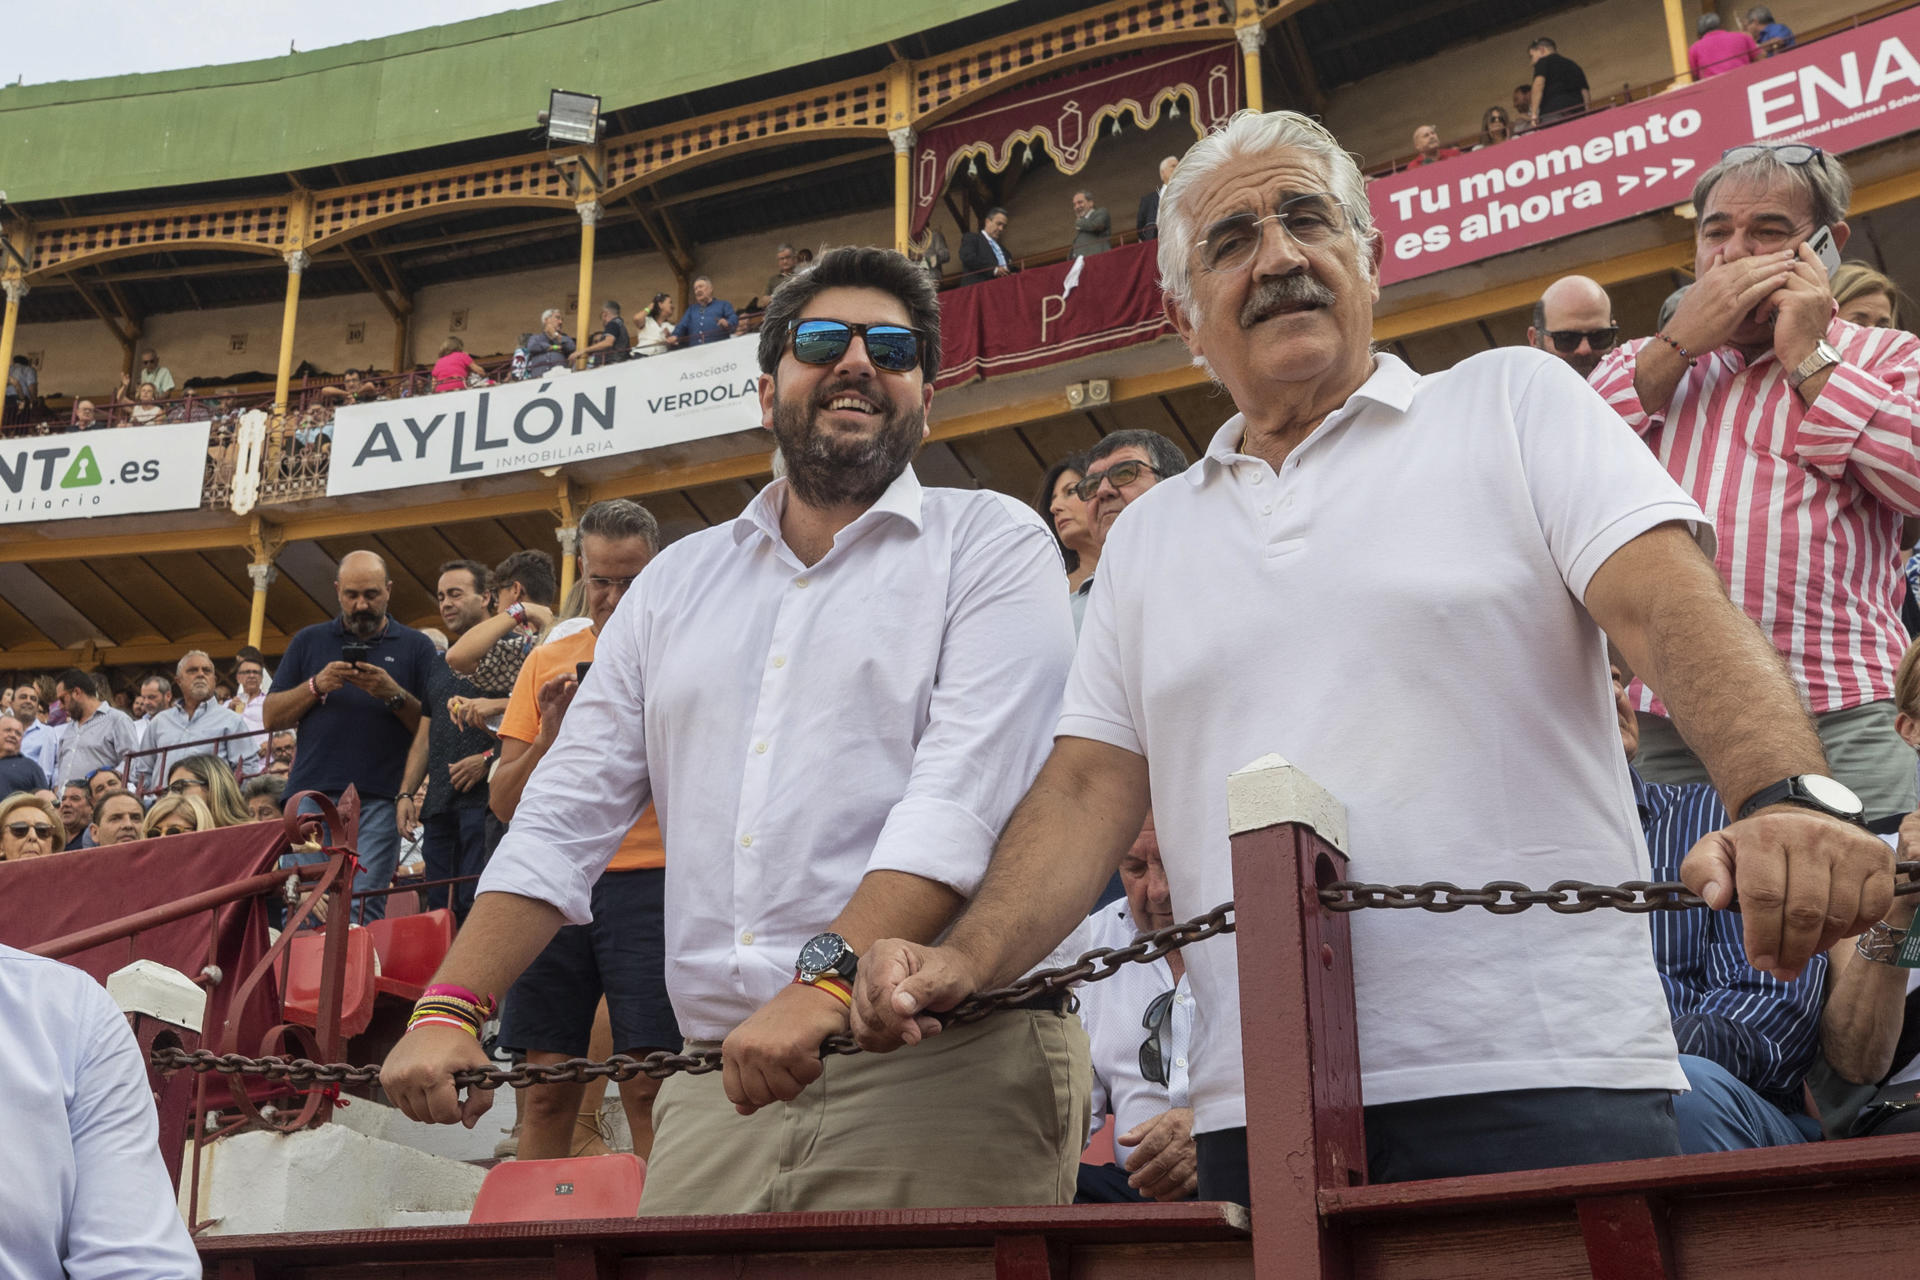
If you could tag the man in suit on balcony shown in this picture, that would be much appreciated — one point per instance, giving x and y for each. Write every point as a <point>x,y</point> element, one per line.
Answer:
<point>981,253</point>
<point>1092,228</point>
<point>1148,220</point>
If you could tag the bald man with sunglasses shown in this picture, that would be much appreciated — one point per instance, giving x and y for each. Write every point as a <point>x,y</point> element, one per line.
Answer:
<point>1574,321</point>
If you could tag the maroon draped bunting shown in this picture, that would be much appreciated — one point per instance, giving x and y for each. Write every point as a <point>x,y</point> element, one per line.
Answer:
<point>1030,319</point>
<point>1064,114</point>
<point>46,898</point>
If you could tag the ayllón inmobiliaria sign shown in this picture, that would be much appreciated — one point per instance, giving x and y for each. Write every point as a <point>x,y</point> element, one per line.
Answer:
<point>1842,93</point>
<point>668,399</point>
<point>117,472</point>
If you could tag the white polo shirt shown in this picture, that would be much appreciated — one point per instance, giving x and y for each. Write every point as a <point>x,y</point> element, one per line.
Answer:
<point>1398,612</point>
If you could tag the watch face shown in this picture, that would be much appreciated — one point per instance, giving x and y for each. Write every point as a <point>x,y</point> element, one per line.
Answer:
<point>821,953</point>
<point>1834,795</point>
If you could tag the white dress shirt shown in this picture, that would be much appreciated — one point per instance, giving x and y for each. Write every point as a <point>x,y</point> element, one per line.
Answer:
<point>1397,610</point>
<point>86,1196</point>
<point>41,744</point>
<point>1114,1010</point>
<point>797,727</point>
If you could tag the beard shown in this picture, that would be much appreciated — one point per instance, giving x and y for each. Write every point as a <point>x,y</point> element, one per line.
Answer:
<point>364,626</point>
<point>828,471</point>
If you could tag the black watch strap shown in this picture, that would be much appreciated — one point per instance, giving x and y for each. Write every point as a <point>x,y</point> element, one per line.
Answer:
<point>1797,791</point>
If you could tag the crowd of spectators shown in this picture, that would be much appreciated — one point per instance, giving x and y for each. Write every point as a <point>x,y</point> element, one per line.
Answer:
<point>1556,88</point>
<point>1750,1047</point>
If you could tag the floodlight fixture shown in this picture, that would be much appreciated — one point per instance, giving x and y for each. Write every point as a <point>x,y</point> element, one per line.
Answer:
<point>572,118</point>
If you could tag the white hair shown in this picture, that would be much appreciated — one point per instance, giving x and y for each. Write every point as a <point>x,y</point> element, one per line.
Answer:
<point>194,653</point>
<point>1254,136</point>
<point>546,315</point>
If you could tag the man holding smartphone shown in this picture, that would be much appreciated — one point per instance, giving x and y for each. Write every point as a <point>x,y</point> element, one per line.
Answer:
<point>1800,435</point>
<point>353,688</point>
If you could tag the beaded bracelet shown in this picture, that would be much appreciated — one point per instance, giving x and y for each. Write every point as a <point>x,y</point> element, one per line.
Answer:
<point>314,689</point>
<point>1685,354</point>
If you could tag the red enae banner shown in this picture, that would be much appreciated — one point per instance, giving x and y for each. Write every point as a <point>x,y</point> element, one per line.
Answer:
<point>1841,93</point>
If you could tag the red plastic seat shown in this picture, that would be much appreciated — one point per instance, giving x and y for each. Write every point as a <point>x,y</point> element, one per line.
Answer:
<point>410,950</point>
<point>305,954</point>
<point>1100,1147</point>
<point>546,1190</point>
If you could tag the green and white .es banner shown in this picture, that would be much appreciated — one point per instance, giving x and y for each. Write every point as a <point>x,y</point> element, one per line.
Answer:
<point>111,472</point>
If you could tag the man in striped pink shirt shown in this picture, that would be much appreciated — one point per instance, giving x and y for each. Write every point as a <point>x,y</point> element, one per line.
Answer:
<point>1799,435</point>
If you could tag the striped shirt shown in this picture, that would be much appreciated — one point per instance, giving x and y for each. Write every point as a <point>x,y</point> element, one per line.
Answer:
<point>1761,1029</point>
<point>1806,501</point>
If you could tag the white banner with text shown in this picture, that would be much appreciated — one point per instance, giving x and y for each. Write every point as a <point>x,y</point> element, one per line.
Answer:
<point>547,422</point>
<point>113,471</point>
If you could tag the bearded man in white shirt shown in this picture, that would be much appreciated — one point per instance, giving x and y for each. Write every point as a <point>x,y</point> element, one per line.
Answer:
<point>848,688</point>
<point>1461,710</point>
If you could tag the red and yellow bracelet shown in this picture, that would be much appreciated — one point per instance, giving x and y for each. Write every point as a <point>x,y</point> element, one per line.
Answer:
<point>841,989</point>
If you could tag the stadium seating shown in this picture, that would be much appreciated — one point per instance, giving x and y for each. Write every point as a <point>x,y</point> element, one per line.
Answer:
<point>546,1190</point>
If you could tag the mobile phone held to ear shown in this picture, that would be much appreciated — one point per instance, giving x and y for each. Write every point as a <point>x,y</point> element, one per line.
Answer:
<point>353,651</point>
<point>1821,242</point>
<point>580,670</point>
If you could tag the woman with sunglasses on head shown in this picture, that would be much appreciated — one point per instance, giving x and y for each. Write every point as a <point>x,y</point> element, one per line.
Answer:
<point>1067,517</point>
<point>209,779</point>
<point>30,827</point>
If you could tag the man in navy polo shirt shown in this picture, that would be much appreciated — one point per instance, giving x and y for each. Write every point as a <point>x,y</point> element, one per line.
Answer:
<point>356,719</point>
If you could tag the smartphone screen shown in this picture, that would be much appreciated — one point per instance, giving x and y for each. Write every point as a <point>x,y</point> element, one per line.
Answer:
<point>353,653</point>
<point>1822,243</point>
<point>580,670</point>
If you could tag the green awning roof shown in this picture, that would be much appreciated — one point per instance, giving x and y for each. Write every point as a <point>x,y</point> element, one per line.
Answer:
<point>419,89</point>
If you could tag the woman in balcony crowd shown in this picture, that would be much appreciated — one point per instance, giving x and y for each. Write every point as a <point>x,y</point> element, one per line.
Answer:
<point>454,368</point>
<point>654,333</point>
<point>30,827</point>
<point>1495,127</point>
<point>209,779</point>
<point>548,349</point>
<point>175,815</point>
<point>1866,297</point>
<point>146,408</point>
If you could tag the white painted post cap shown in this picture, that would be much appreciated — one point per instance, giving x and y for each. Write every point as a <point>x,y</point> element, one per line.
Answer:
<point>1270,791</point>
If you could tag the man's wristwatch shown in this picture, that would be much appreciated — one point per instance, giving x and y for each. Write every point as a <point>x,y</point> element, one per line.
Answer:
<point>397,701</point>
<point>825,955</point>
<point>1810,791</point>
<point>1825,356</point>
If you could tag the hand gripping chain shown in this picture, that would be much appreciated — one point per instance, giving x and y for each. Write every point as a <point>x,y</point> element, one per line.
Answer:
<point>1501,897</point>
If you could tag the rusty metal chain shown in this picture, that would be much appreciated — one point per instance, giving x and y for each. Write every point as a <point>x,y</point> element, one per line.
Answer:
<point>1501,897</point>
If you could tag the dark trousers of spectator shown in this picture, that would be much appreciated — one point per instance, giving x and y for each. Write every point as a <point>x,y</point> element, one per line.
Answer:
<point>1106,1184</point>
<point>1478,1133</point>
<point>453,842</point>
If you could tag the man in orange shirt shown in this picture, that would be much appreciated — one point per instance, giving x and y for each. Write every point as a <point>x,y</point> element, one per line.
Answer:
<point>549,1010</point>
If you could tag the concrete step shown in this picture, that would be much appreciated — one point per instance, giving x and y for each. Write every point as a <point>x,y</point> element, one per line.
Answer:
<point>333,1178</point>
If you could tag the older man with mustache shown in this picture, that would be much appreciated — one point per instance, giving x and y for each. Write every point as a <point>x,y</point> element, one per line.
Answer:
<point>1458,705</point>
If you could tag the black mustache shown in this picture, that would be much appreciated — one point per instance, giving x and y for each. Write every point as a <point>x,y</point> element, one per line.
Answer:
<point>1284,291</point>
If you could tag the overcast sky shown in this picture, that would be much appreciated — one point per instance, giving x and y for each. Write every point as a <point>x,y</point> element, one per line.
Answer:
<point>79,41</point>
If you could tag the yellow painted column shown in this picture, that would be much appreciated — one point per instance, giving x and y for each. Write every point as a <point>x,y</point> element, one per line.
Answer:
<point>589,211</point>
<point>569,536</point>
<point>1251,38</point>
<point>1677,41</point>
<point>283,372</point>
<point>16,290</point>
<point>902,187</point>
<point>263,573</point>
